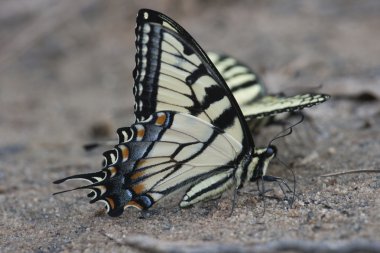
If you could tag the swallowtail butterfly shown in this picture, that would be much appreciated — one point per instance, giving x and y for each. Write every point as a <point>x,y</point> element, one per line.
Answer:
<point>189,131</point>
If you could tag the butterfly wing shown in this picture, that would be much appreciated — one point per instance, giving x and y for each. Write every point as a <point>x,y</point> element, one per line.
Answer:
<point>173,73</point>
<point>250,92</point>
<point>272,105</point>
<point>161,155</point>
<point>245,85</point>
<point>160,81</point>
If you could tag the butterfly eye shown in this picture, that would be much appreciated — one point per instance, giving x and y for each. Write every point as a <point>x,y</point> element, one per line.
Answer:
<point>271,151</point>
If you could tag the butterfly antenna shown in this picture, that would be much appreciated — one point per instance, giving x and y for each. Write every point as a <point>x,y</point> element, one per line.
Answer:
<point>287,131</point>
<point>311,124</point>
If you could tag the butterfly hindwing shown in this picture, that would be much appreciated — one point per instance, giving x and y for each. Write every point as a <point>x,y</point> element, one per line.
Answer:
<point>169,156</point>
<point>272,105</point>
<point>182,153</point>
<point>245,85</point>
<point>250,92</point>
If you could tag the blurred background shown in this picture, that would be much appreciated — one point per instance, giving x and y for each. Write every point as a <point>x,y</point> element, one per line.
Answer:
<point>66,65</point>
<point>66,79</point>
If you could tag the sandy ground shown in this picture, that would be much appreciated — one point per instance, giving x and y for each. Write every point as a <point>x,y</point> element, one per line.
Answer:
<point>65,79</point>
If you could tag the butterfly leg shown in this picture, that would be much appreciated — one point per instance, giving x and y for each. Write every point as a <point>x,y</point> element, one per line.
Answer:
<point>281,182</point>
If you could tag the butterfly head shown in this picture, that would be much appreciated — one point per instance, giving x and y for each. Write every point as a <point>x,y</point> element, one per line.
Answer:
<point>266,157</point>
<point>270,152</point>
<point>263,158</point>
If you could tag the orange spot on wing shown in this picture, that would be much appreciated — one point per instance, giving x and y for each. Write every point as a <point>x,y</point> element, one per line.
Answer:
<point>140,133</point>
<point>161,119</point>
<point>112,170</point>
<point>136,175</point>
<point>111,203</point>
<point>125,152</point>
<point>138,189</point>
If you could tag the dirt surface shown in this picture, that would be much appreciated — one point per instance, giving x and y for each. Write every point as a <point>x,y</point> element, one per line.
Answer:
<point>65,79</point>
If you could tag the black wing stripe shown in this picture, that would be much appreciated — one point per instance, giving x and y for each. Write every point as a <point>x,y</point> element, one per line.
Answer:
<point>177,53</point>
<point>170,171</point>
<point>181,57</point>
<point>246,86</point>
<point>188,179</point>
<point>210,187</point>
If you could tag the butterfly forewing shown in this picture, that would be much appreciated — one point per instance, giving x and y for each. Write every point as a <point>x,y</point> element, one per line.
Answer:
<point>173,73</point>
